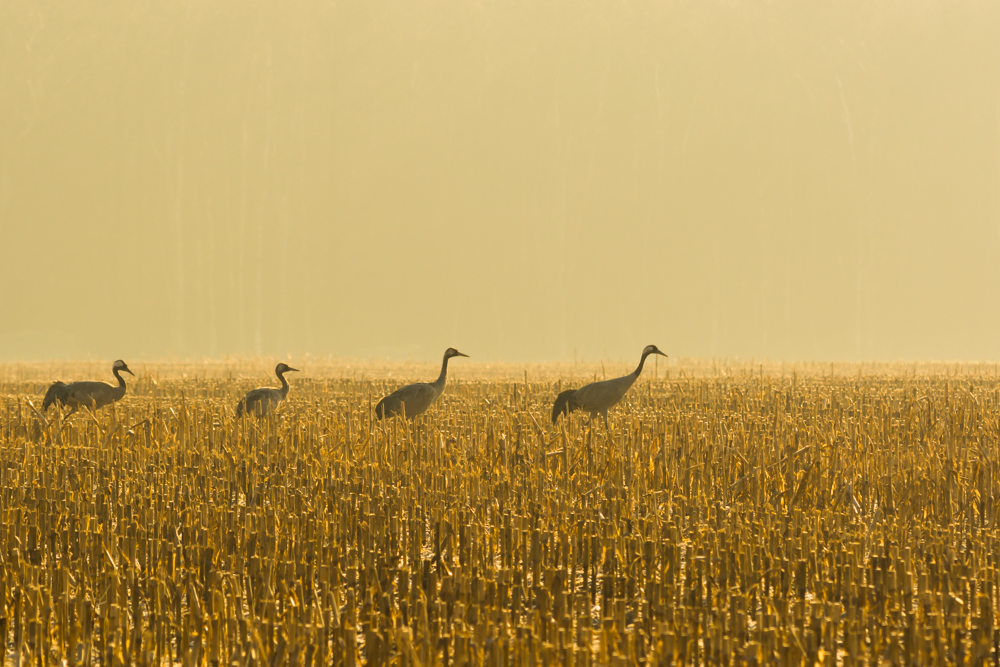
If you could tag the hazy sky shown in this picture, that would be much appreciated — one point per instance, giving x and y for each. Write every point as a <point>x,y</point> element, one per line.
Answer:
<point>522,180</point>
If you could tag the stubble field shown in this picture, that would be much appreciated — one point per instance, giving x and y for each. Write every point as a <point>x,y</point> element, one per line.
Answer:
<point>735,514</point>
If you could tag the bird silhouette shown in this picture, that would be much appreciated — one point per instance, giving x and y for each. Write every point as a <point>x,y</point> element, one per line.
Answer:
<point>598,397</point>
<point>414,399</point>
<point>264,400</point>
<point>91,395</point>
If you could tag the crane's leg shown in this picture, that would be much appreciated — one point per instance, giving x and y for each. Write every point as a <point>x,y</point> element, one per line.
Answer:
<point>605,415</point>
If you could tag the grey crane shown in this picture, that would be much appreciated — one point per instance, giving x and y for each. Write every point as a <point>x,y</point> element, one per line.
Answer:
<point>413,399</point>
<point>598,397</point>
<point>91,395</point>
<point>264,400</point>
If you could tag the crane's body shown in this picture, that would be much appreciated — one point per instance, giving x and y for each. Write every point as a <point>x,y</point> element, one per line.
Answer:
<point>264,400</point>
<point>599,397</point>
<point>414,399</point>
<point>91,395</point>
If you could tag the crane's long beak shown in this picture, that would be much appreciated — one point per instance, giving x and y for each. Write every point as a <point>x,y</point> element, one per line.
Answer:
<point>459,354</point>
<point>128,371</point>
<point>661,353</point>
<point>293,369</point>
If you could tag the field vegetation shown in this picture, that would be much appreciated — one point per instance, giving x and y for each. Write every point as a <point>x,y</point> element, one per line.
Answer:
<point>735,514</point>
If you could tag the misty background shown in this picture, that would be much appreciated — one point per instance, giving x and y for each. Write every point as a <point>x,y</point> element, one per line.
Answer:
<point>526,180</point>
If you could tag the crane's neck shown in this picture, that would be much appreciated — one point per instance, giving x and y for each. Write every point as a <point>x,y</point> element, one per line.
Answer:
<point>121,380</point>
<point>439,383</point>
<point>118,392</point>
<point>284,384</point>
<point>641,362</point>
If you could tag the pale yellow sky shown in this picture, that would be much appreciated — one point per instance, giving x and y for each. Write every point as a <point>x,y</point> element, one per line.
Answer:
<point>521,180</point>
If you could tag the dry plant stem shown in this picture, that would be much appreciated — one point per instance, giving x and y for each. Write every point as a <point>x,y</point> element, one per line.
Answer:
<point>732,518</point>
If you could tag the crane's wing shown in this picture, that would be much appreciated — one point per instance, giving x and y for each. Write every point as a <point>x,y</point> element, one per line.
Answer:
<point>414,398</point>
<point>261,399</point>
<point>598,396</point>
<point>86,394</point>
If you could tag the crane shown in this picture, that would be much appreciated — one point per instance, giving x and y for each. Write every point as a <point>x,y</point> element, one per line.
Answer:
<point>91,395</point>
<point>598,397</point>
<point>413,399</point>
<point>265,399</point>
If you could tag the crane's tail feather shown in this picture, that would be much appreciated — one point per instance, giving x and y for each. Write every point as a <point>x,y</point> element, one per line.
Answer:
<point>380,412</point>
<point>239,408</point>
<point>563,405</point>
<point>56,392</point>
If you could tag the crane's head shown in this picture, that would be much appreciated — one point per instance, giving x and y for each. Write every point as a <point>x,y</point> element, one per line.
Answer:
<point>284,368</point>
<point>452,352</point>
<point>120,366</point>
<point>652,349</point>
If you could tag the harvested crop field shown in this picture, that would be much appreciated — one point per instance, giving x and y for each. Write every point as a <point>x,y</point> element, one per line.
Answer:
<point>735,514</point>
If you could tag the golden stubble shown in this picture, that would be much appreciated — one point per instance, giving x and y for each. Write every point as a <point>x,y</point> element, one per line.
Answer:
<point>731,513</point>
